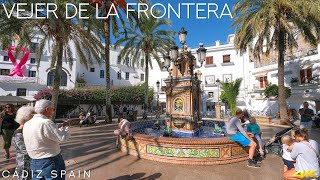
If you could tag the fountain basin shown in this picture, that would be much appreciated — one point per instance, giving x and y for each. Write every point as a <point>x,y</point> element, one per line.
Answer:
<point>188,151</point>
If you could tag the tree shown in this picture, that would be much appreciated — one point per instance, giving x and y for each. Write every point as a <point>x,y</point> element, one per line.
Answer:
<point>231,91</point>
<point>59,33</point>
<point>269,25</point>
<point>146,38</point>
<point>114,22</point>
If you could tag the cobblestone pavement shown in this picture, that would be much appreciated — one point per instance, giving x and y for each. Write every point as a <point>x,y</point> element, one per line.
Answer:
<point>92,149</point>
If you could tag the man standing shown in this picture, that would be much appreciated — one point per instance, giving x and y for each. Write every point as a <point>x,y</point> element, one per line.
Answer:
<point>306,117</point>
<point>237,133</point>
<point>42,138</point>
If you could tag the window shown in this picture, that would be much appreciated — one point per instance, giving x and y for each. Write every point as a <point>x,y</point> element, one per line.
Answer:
<point>4,71</point>
<point>305,75</point>
<point>263,82</point>
<point>210,94</point>
<point>119,75</point>
<point>127,75</point>
<point>101,73</point>
<point>32,73</point>
<point>226,58</point>
<point>21,92</point>
<point>227,78</point>
<point>141,77</point>
<point>209,60</point>
<point>5,58</point>
<point>119,61</point>
<point>63,80</point>
<point>34,47</point>
<point>209,80</point>
<point>32,60</point>
<point>127,61</point>
<point>92,69</point>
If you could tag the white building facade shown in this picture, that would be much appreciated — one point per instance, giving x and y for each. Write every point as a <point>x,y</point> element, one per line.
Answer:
<point>72,77</point>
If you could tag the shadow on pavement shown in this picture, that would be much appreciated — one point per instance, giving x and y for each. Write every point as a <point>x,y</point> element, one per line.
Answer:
<point>138,176</point>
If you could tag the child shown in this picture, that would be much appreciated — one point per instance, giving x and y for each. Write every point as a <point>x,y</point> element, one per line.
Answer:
<point>287,144</point>
<point>254,128</point>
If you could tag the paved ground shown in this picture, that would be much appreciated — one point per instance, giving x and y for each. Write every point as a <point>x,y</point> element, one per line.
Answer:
<point>92,149</point>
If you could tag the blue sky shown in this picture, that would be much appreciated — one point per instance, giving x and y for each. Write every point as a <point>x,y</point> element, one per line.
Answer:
<point>207,30</point>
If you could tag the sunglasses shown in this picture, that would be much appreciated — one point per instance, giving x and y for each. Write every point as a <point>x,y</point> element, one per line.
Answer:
<point>7,107</point>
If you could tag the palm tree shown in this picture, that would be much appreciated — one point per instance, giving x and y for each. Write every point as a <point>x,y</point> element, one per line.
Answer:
<point>147,38</point>
<point>59,33</point>
<point>269,25</point>
<point>230,92</point>
<point>114,23</point>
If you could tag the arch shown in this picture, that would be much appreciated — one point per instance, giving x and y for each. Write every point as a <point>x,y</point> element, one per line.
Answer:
<point>51,76</point>
<point>178,104</point>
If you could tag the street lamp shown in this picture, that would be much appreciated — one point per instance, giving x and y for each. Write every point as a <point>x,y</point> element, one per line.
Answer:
<point>158,86</point>
<point>201,54</point>
<point>218,83</point>
<point>177,55</point>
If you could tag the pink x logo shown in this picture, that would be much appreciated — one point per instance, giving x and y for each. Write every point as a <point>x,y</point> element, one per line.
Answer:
<point>17,69</point>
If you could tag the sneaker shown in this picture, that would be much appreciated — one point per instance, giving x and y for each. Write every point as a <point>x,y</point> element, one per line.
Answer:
<point>252,164</point>
<point>7,156</point>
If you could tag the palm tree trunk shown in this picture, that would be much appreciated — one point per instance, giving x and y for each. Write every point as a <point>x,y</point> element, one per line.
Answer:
<point>281,88</point>
<point>106,28</point>
<point>57,78</point>
<point>146,83</point>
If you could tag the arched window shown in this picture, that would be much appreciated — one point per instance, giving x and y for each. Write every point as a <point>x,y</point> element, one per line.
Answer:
<point>51,75</point>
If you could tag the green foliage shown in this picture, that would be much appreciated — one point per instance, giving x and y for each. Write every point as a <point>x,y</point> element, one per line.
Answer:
<point>272,91</point>
<point>81,80</point>
<point>119,95</point>
<point>231,91</point>
<point>223,97</point>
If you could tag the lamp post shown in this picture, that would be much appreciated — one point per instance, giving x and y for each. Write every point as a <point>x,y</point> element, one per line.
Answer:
<point>218,107</point>
<point>218,83</point>
<point>158,86</point>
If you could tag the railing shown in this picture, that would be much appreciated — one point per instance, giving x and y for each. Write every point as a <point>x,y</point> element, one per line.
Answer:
<point>88,86</point>
<point>298,54</point>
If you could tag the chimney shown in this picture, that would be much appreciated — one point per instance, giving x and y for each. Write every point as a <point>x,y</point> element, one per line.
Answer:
<point>217,42</point>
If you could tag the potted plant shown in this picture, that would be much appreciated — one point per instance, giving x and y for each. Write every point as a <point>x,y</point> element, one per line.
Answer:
<point>294,81</point>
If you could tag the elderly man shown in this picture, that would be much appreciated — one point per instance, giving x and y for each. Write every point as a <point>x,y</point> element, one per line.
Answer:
<point>42,138</point>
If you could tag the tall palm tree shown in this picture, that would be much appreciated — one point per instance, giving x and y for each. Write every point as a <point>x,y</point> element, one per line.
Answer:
<point>230,92</point>
<point>60,34</point>
<point>146,38</point>
<point>114,23</point>
<point>268,25</point>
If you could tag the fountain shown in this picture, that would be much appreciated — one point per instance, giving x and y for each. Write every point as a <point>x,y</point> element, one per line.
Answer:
<point>183,137</point>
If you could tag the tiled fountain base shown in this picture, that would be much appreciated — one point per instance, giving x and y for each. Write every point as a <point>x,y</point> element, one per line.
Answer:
<point>189,151</point>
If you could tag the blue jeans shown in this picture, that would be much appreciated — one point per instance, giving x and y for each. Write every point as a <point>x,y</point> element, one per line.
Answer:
<point>48,168</point>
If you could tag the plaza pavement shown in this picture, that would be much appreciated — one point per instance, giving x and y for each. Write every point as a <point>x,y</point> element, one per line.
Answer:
<point>93,149</point>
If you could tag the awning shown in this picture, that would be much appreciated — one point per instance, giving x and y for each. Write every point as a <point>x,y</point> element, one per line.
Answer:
<point>13,100</point>
<point>261,74</point>
<point>15,86</point>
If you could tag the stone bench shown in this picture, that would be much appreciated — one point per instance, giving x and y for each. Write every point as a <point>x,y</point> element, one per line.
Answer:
<point>263,119</point>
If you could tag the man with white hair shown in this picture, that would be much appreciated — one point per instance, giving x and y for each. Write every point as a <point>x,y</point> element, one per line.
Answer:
<point>42,138</point>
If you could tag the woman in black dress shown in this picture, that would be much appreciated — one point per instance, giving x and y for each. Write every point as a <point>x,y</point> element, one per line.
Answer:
<point>8,126</point>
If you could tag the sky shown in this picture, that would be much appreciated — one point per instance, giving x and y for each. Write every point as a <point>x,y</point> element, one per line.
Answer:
<point>205,31</point>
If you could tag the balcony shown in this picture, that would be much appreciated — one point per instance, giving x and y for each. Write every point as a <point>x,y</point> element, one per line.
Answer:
<point>88,86</point>
<point>257,87</point>
<point>17,79</point>
<point>297,55</point>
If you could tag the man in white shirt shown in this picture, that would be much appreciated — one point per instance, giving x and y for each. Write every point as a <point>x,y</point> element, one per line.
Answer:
<point>42,138</point>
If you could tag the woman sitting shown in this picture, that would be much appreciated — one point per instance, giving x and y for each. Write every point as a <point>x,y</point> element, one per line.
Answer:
<point>305,152</point>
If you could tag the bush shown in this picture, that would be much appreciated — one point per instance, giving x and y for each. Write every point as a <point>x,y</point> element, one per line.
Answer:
<point>123,95</point>
<point>272,91</point>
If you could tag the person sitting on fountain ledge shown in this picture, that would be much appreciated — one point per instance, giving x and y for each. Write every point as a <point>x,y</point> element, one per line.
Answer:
<point>237,133</point>
<point>124,129</point>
